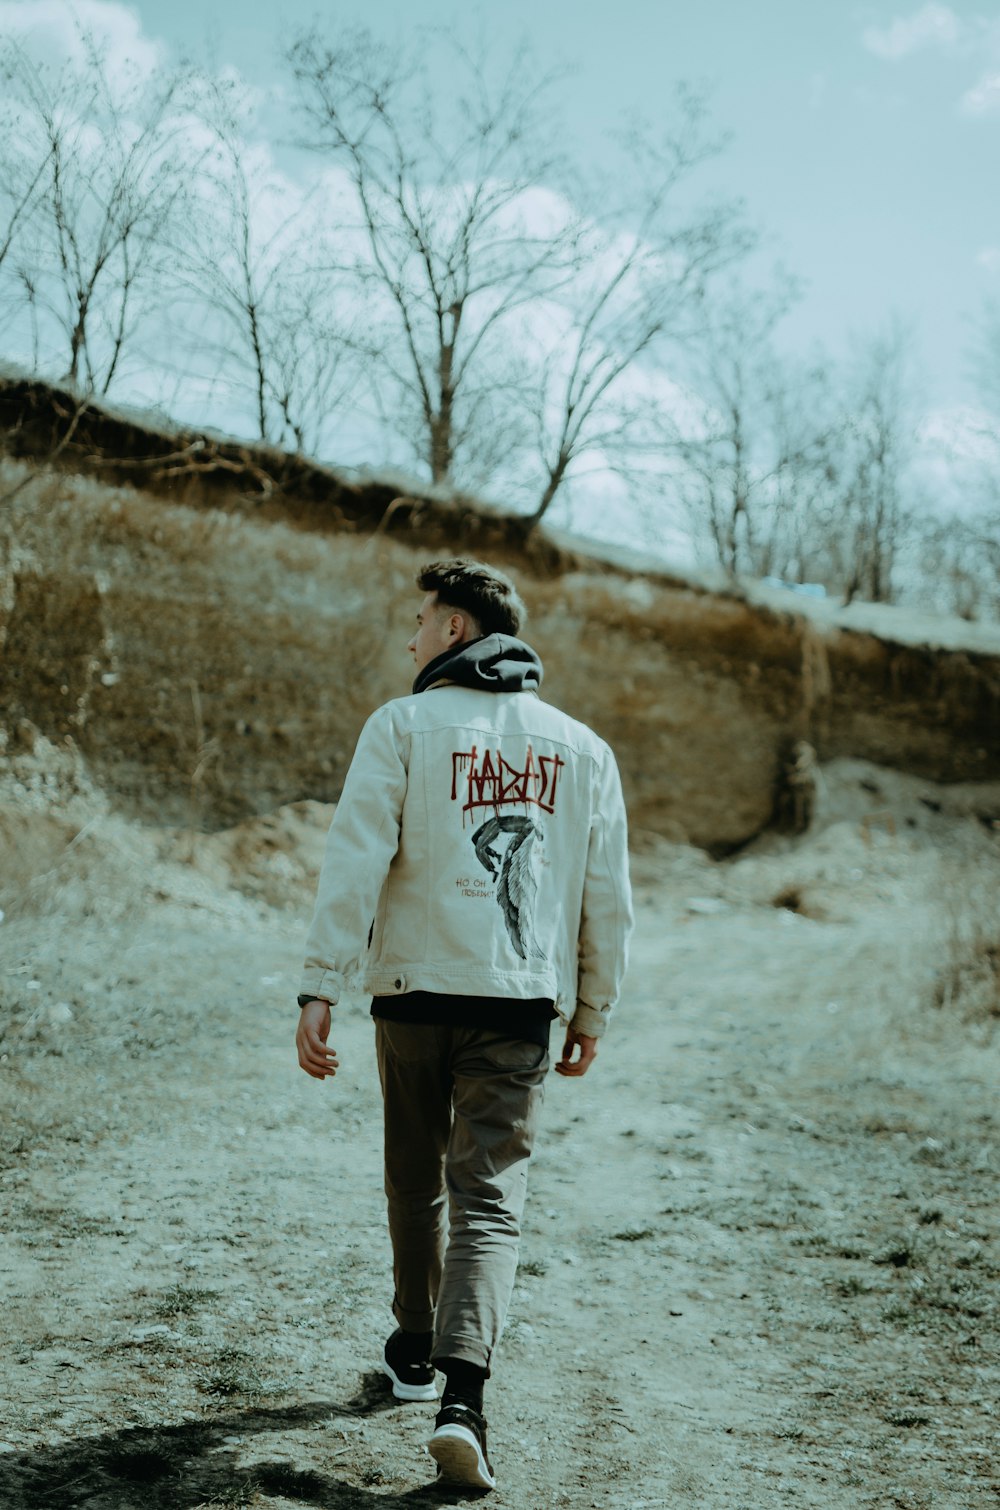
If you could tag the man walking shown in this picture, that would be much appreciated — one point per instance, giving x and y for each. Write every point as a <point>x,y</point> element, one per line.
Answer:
<point>476,883</point>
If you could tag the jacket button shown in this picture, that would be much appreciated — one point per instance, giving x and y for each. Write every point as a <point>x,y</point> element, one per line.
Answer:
<point>398,983</point>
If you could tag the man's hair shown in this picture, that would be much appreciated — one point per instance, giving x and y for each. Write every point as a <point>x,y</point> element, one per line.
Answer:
<point>473,588</point>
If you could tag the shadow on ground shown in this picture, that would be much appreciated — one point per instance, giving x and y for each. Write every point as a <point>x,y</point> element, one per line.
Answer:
<point>195,1464</point>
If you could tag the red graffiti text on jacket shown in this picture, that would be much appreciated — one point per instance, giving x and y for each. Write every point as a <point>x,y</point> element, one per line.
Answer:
<point>483,778</point>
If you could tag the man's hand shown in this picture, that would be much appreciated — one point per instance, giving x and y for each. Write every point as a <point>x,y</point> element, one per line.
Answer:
<point>310,1040</point>
<point>588,1051</point>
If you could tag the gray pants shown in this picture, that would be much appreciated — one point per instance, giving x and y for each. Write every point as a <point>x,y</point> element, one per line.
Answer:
<point>461,1110</point>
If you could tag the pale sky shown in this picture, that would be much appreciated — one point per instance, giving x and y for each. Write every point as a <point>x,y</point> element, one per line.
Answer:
<point>866,137</point>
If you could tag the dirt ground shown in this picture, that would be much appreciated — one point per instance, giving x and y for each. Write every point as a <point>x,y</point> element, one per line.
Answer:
<point>761,1254</point>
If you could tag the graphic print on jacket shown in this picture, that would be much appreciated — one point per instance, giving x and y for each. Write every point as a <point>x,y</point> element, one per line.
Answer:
<point>517,886</point>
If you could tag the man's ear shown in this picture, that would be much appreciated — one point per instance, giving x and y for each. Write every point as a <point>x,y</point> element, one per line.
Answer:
<point>456,626</point>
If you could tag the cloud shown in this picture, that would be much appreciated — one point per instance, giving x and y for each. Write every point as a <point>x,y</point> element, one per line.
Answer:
<point>53,31</point>
<point>961,432</point>
<point>959,450</point>
<point>931,26</point>
<point>983,98</point>
<point>989,258</point>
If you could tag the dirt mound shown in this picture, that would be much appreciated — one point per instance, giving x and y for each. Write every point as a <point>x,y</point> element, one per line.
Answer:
<point>65,848</point>
<point>64,851</point>
<point>878,836</point>
<point>275,859</point>
<point>32,844</point>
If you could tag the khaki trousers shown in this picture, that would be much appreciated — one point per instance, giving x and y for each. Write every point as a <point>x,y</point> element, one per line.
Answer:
<point>461,1111</point>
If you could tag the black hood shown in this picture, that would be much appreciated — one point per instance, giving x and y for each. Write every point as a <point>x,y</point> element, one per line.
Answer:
<point>495,663</point>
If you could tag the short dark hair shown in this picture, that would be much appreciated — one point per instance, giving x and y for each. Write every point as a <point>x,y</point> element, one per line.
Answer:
<point>476,589</point>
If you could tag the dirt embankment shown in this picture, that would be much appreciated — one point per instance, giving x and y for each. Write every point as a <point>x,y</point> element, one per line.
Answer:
<point>212,660</point>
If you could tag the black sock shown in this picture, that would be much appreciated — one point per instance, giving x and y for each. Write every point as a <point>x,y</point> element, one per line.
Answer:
<point>464,1383</point>
<point>414,1347</point>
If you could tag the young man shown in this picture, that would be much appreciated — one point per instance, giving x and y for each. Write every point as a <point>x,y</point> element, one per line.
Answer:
<point>484,833</point>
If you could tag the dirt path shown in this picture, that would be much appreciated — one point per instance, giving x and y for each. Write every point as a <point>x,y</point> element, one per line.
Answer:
<point>761,1253</point>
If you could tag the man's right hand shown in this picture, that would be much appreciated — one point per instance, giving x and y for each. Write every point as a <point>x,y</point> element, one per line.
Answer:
<point>310,1040</point>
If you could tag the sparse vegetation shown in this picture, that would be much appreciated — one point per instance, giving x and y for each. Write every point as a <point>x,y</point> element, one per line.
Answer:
<point>232,1372</point>
<point>182,1300</point>
<point>533,1267</point>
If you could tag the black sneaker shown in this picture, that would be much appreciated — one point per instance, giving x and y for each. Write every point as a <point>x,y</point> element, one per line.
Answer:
<point>458,1446</point>
<point>410,1380</point>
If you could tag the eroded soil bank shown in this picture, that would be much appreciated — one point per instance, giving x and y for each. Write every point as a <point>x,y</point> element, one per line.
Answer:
<point>213,663</point>
<point>761,1258</point>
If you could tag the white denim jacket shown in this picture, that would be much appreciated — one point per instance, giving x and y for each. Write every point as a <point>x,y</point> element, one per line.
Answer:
<point>484,832</point>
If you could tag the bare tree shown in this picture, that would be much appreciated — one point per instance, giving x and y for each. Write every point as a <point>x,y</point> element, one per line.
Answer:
<point>959,559</point>
<point>109,166</point>
<point>643,260</point>
<point>263,311</point>
<point>473,259</point>
<point>753,439</point>
<point>315,366</point>
<point>870,472</point>
<point>797,470</point>
<point>803,424</point>
<point>21,181</point>
<point>960,551</point>
<point>23,170</point>
<point>452,241</point>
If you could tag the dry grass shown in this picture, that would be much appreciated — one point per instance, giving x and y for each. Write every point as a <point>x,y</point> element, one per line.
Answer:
<point>74,525</point>
<point>967,983</point>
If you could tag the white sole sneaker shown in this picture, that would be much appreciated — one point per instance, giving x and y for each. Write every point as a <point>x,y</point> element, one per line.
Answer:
<point>460,1457</point>
<point>404,1391</point>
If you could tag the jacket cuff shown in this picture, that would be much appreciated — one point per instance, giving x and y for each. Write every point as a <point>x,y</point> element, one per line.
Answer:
<point>589,1021</point>
<point>320,985</point>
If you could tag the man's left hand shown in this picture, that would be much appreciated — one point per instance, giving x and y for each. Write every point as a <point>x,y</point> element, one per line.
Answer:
<point>587,1047</point>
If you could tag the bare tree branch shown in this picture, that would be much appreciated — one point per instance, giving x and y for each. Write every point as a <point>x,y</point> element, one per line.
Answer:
<point>252,267</point>
<point>112,165</point>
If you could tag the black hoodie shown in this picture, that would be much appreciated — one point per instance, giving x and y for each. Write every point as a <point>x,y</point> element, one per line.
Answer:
<point>494,663</point>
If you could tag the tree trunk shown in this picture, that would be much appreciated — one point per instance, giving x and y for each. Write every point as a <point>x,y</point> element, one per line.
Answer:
<point>77,341</point>
<point>556,476</point>
<point>442,438</point>
<point>259,373</point>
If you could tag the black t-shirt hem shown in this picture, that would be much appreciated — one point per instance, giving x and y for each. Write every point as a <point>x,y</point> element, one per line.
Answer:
<point>528,1020</point>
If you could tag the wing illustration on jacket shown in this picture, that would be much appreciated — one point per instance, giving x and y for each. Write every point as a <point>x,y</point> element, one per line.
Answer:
<point>517,884</point>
